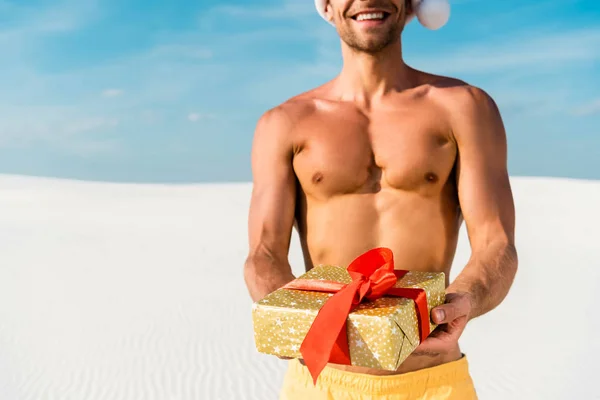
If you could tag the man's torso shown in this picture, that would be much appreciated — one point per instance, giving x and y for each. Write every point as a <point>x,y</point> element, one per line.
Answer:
<point>382,176</point>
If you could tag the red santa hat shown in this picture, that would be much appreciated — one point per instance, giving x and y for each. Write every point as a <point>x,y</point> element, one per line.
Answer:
<point>432,14</point>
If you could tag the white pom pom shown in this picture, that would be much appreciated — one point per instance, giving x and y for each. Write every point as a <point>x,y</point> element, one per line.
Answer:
<point>433,14</point>
<point>320,5</point>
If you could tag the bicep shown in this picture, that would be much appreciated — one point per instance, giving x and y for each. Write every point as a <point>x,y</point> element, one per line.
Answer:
<point>482,177</point>
<point>272,203</point>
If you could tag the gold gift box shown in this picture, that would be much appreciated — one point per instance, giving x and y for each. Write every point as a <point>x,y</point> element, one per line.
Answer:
<point>381,333</point>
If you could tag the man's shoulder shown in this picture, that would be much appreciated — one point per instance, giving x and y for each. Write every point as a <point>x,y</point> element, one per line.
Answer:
<point>458,96</point>
<point>279,122</point>
<point>470,109</point>
<point>286,115</point>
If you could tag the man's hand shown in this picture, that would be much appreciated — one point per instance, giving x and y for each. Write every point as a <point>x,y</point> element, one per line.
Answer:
<point>451,318</point>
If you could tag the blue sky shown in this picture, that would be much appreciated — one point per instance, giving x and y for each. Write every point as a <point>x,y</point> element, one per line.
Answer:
<point>170,91</point>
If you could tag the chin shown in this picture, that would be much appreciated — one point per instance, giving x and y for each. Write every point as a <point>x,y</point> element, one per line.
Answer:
<point>370,40</point>
<point>370,43</point>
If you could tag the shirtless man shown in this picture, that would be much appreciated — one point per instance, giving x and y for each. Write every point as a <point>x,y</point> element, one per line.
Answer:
<point>385,156</point>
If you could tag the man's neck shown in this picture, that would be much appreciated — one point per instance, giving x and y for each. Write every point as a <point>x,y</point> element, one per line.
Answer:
<point>366,77</point>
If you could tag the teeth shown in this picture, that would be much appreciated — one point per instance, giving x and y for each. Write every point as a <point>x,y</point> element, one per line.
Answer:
<point>363,17</point>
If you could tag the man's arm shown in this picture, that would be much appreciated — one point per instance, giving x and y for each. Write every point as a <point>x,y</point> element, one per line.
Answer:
<point>486,201</point>
<point>272,206</point>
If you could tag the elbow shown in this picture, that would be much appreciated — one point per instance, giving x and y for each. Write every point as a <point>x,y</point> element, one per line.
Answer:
<point>514,256</point>
<point>253,265</point>
<point>510,250</point>
<point>264,274</point>
<point>510,262</point>
<point>249,274</point>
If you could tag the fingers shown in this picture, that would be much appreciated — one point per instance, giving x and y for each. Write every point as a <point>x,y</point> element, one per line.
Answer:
<point>432,350</point>
<point>437,343</point>
<point>448,312</point>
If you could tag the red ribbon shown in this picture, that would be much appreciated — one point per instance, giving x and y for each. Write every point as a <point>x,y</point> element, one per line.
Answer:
<point>373,276</point>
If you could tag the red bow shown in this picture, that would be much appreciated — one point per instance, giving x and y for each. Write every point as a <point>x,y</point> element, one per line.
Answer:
<point>373,276</point>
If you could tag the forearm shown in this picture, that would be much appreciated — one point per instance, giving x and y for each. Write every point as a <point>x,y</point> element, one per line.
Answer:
<point>264,274</point>
<point>487,277</point>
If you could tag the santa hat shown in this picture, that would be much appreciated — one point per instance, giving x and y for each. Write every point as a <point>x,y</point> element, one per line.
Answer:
<point>432,14</point>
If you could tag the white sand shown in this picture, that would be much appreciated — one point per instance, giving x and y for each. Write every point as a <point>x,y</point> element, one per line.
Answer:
<point>118,292</point>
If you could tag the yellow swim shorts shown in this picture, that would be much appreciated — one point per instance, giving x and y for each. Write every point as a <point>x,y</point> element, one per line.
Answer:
<point>451,381</point>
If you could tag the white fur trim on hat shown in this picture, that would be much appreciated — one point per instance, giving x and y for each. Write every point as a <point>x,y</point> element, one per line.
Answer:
<point>432,14</point>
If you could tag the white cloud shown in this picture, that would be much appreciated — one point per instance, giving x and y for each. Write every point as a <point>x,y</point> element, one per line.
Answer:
<point>591,108</point>
<point>289,9</point>
<point>195,117</point>
<point>89,124</point>
<point>534,50</point>
<point>20,126</point>
<point>181,50</point>
<point>151,117</point>
<point>32,21</point>
<point>112,92</point>
<point>90,147</point>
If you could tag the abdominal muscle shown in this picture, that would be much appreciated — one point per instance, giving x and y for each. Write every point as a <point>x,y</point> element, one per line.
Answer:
<point>421,232</point>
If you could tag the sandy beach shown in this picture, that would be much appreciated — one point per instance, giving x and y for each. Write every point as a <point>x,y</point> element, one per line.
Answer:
<point>123,291</point>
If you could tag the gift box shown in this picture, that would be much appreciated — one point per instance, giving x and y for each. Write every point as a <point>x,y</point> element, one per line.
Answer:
<point>377,332</point>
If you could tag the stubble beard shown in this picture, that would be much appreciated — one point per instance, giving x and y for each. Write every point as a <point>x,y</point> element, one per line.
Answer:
<point>372,43</point>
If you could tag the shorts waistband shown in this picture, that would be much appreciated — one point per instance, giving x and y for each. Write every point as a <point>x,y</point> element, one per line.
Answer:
<point>443,374</point>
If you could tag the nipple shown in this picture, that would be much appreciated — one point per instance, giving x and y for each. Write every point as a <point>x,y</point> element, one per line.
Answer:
<point>317,177</point>
<point>431,177</point>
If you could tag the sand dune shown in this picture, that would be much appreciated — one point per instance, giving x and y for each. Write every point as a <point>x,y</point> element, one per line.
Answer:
<point>114,291</point>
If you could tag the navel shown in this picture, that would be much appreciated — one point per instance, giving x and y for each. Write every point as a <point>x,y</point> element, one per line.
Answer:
<point>431,177</point>
<point>317,178</point>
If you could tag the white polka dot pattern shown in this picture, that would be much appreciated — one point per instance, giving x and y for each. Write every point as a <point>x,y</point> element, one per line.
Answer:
<point>381,333</point>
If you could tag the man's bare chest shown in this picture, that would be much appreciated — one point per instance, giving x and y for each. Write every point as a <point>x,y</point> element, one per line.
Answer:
<point>349,152</point>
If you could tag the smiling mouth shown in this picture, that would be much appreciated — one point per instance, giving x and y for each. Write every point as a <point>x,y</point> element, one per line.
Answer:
<point>371,16</point>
